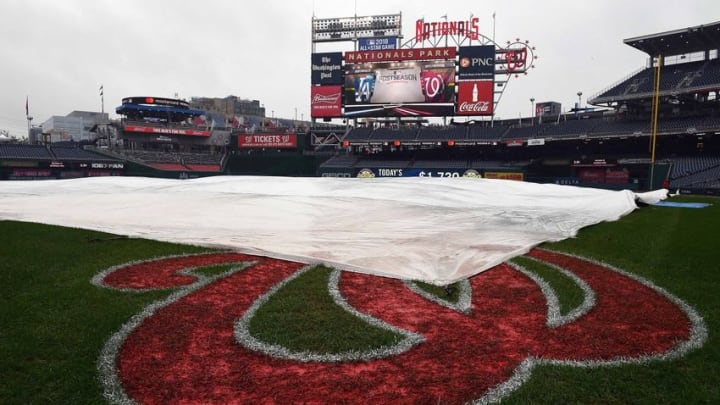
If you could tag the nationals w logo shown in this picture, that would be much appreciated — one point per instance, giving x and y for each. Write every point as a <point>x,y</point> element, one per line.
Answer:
<point>195,347</point>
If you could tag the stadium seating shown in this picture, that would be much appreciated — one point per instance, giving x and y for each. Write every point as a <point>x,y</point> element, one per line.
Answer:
<point>32,152</point>
<point>340,161</point>
<point>621,127</point>
<point>392,134</point>
<point>442,133</point>
<point>480,132</point>
<point>705,179</point>
<point>441,164</point>
<point>385,163</point>
<point>570,129</point>
<point>685,166</point>
<point>674,78</point>
<point>359,134</point>
<point>176,161</point>
<point>66,153</point>
<point>523,132</point>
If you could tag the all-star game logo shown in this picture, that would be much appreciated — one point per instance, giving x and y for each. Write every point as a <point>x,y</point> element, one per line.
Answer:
<point>195,346</point>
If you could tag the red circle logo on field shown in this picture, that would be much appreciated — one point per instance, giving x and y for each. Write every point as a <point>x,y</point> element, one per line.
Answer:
<point>194,347</point>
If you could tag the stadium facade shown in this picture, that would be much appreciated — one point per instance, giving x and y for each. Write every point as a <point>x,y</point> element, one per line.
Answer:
<point>372,108</point>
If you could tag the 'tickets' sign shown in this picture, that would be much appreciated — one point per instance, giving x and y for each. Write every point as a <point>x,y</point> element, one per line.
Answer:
<point>326,101</point>
<point>267,141</point>
<point>475,98</point>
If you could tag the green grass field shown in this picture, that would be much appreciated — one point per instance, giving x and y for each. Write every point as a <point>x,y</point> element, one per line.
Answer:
<point>54,322</point>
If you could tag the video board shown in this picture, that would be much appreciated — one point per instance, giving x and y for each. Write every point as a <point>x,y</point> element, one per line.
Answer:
<point>400,88</point>
<point>423,82</point>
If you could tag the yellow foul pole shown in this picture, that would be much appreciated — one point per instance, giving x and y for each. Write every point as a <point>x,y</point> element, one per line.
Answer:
<point>654,118</point>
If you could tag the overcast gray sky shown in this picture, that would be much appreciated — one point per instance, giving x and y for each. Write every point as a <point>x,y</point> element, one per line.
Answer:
<point>57,53</point>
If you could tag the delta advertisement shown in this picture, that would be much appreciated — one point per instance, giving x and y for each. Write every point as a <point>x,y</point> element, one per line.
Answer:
<point>326,101</point>
<point>409,88</point>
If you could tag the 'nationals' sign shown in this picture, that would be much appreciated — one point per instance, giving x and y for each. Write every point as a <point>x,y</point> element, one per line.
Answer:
<point>426,29</point>
<point>267,141</point>
<point>394,55</point>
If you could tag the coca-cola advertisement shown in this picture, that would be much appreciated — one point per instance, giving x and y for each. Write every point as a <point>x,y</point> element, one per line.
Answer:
<point>326,101</point>
<point>475,98</point>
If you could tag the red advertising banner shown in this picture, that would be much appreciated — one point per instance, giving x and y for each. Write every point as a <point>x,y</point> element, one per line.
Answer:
<point>475,97</point>
<point>396,55</point>
<point>281,141</point>
<point>166,131</point>
<point>326,101</point>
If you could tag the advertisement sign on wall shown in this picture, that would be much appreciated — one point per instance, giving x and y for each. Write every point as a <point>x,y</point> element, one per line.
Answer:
<point>518,176</point>
<point>274,141</point>
<point>326,68</point>
<point>161,130</point>
<point>326,101</point>
<point>476,63</point>
<point>377,44</point>
<point>398,55</point>
<point>475,97</point>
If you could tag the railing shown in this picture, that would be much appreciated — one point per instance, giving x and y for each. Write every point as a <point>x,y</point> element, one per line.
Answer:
<point>626,78</point>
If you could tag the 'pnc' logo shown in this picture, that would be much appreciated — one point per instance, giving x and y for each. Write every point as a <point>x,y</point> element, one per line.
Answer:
<point>482,61</point>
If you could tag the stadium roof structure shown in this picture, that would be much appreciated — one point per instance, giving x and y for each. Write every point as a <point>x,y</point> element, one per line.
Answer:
<point>682,78</point>
<point>677,42</point>
<point>157,110</point>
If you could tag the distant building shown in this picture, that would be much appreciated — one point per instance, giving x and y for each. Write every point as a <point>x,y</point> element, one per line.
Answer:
<point>229,107</point>
<point>76,126</point>
<point>35,135</point>
<point>549,108</point>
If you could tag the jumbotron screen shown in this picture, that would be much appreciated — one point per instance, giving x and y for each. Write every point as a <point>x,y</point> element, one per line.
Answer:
<point>407,88</point>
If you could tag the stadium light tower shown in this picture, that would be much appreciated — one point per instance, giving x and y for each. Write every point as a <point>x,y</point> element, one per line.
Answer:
<point>577,108</point>
<point>29,120</point>
<point>532,111</point>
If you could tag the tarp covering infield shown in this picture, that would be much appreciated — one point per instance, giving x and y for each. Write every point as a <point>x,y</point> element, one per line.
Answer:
<point>438,230</point>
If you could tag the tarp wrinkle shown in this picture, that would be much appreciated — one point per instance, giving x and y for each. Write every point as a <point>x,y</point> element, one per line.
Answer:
<point>432,229</point>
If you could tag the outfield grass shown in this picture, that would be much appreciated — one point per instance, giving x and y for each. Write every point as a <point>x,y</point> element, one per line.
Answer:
<point>54,322</point>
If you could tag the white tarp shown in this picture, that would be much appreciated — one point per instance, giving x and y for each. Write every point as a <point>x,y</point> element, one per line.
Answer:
<point>433,229</point>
